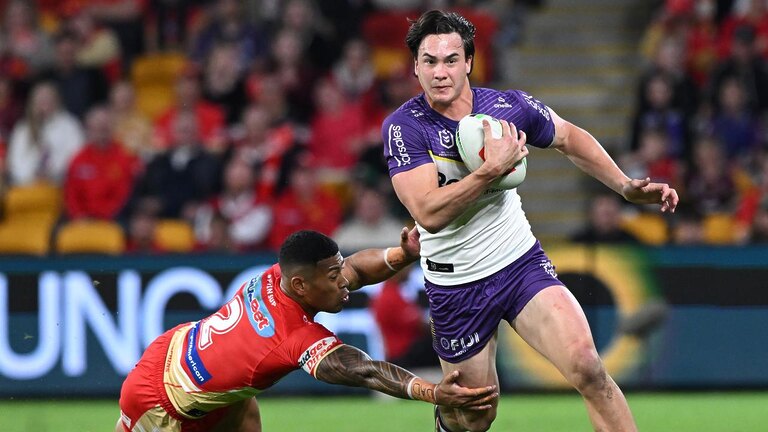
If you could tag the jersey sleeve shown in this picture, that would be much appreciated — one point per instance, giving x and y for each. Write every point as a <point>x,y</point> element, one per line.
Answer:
<point>405,147</point>
<point>311,345</point>
<point>536,120</point>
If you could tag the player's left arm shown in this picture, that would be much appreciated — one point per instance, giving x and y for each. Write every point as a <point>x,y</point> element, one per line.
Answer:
<point>587,154</point>
<point>371,266</point>
<point>347,365</point>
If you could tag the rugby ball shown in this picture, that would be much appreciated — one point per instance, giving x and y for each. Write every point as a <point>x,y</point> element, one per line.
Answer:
<point>469,140</point>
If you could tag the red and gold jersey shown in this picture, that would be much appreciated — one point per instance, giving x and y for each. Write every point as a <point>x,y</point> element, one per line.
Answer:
<point>249,344</point>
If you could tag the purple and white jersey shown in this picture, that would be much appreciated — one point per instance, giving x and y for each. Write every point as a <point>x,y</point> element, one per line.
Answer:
<point>494,231</point>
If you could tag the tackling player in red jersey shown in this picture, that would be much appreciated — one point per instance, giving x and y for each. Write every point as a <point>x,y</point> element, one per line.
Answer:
<point>203,375</point>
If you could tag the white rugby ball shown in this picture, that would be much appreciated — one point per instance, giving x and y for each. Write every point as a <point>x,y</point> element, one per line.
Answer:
<point>469,140</point>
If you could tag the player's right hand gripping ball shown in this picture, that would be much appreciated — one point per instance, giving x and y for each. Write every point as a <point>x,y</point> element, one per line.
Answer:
<point>469,140</point>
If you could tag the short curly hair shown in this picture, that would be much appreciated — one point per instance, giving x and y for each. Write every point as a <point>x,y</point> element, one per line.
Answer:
<point>306,248</point>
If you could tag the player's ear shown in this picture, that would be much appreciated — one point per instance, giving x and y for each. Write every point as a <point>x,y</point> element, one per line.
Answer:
<point>415,67</point>
<point>468,65</point>
<point>298,284</point>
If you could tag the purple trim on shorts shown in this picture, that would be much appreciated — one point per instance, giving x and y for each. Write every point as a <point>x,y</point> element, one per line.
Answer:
<point>464,317</point>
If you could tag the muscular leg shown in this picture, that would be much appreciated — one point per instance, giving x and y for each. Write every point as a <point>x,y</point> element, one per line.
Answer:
<point>477,371</point>
<point>242,417</point>
<point>554,324</point>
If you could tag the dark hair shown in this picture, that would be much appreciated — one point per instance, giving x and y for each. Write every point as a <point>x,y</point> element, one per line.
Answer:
<point>306,248</point>
<point>440,22</point>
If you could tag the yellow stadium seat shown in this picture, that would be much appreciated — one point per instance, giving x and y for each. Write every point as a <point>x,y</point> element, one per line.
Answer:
<point>649,228</point>
<point>26,236</point>
<point>159,68</point>
<point>174,235</point>
<point>39,198</point>
<point>153,100</point>
<point>388,61</point>
<point>719,229</point>
<point>90,236</point>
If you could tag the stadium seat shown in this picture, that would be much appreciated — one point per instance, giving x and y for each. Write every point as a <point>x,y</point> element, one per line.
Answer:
<point>486,25</point>
<point>385,33</point>
<point>36,199</point>
<point>153,78</point>
<point>90,236</point>
<point>157,68</point>
<point>649,228</point>
<point>719,229</point>
<point>154,99</point>
<point>388,61</point>
<point>174,235</point>
<point>26,236</point>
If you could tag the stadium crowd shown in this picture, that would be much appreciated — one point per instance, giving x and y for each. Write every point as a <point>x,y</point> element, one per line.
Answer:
<point>237,122</point>
<point>700,118</point>
<point>219,115</point>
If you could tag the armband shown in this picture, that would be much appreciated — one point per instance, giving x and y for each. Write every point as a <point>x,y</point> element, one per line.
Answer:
<point>386,260</point>
<point>410,388</point>
<point>422,390</point>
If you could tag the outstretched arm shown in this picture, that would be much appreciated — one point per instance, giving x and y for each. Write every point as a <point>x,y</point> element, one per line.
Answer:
<point>371,266</point>
<point>587,154</point>
<point>349,366</point>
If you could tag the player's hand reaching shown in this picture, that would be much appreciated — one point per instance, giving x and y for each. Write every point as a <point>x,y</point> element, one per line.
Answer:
<point>448,392</point>
<point>409,242</point>
<point>502,154</point>
<point>644,192</point>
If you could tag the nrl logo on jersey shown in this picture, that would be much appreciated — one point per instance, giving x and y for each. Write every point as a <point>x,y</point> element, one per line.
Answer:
<point>502,103</point>
<point>445,138</point>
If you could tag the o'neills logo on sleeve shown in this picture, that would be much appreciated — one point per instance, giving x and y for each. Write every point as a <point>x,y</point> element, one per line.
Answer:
<point>312,356</point>
<point>395,138</point>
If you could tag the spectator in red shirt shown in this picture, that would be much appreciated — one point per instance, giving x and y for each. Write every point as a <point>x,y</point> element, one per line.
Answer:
<point>101,176</point>
<point>752,14</point>
<point>338,129</point>
<point>209,117</point>
<point>303,205</point>
<point>702,42</point>
<point>401,320</point>
<point>652,159</point>
<point>263,146</point>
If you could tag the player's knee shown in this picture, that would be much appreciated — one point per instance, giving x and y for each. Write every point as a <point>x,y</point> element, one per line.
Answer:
<point>587,372</point>
<point>479,421</point>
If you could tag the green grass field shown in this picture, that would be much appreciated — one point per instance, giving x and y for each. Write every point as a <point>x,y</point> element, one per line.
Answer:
<point>662,412</point>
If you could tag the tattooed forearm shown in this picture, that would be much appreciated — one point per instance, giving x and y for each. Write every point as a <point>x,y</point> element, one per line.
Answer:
<point>423,390</point>
<point>348,365</point>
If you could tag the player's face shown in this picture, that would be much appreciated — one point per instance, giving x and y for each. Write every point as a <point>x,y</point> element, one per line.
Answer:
<point>442,68</point>
<point>330,289</point>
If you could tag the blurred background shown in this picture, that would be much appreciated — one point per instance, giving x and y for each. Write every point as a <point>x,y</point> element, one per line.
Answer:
<point>155,153</point>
